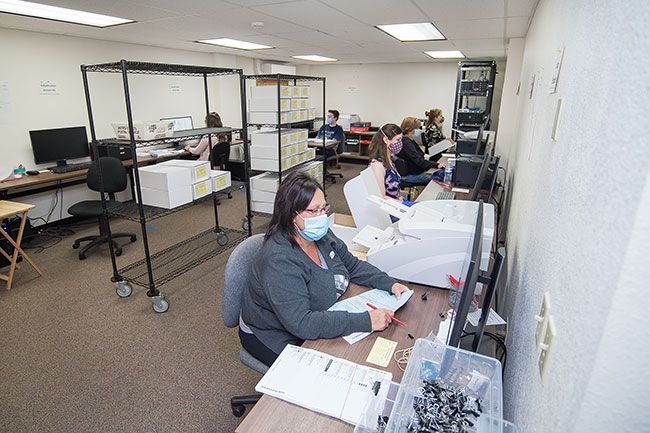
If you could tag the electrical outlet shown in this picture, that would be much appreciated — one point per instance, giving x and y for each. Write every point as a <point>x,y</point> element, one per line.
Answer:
<point>547,348</point>
<point>542,320</point>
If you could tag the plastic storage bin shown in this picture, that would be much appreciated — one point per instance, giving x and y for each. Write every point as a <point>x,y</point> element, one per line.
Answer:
<point>143,130</point>
<point>477,375</point>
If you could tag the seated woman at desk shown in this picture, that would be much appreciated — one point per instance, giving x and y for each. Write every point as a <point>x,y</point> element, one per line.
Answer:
<point>385,143</point>
<point>413,155</point>
<point>300,271</point>
<point>433,131</point>
<point>212,120</point>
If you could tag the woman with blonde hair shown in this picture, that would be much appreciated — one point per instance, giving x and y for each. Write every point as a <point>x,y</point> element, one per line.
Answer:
<point>417,166</point>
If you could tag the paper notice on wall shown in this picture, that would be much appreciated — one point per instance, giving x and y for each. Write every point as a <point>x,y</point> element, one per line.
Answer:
<point>559,53</point>
<point>7,114</point>
<point>175,89</point>
<point>48,88</point>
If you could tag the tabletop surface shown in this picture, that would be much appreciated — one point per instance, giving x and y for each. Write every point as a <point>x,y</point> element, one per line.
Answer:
<point>11,208</point>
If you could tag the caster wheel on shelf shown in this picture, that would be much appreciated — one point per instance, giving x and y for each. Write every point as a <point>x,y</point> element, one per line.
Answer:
<point>222,239</point>
<point>229,195</point>
<point>123,289</point>
<point>82,256</point>
<point>118,252</point>
<point>133,238</point>
<point>333,180</point>
<point>75,245</point>
<point>238,411</point>
<point>160,304</point>
<point>245,224</point>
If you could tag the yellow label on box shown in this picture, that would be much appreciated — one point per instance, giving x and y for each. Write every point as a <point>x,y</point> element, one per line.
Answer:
<point>201,171</point>
<point>221,181</point>
<point>294,136</point>
<point>295,115</point>
<point>285,91</point>
<point>294,160</point>
<point>284,139</point>
<point>284,104</point>
<point>201,188</point>
<point>305,91</point>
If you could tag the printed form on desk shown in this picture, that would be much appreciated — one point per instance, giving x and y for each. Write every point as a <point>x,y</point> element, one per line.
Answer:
<point>359,304</point>
<point>324,383</point>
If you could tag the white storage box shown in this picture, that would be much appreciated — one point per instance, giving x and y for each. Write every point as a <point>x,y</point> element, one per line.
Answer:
<point>258,195</point>
<point>164,178</point>
<point>269,137</point>
<point>220,180</point>
<point>299,104</point>
<point>262,206</point>
<point>270,92</point>
<point>144,130</point>
<point>201,188</point>
<point>272,164</point>
<point>304,114</point>
<point>294,115</point>
<point>268,117</point>
<point>200,170</point>
<point>166,199</point>
<point>265,182</point>
<point>269,104</point>
<point>300,92</point>
<point>312,114</point>
<point>267,152</point>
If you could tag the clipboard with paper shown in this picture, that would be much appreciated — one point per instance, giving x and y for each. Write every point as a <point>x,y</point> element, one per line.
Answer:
<point>440,146</point>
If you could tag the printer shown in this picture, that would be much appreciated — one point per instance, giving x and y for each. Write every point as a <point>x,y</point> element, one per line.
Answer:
<point>431,240</point>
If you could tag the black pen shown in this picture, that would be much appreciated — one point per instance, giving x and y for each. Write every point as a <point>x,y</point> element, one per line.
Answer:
<point>328,365</point>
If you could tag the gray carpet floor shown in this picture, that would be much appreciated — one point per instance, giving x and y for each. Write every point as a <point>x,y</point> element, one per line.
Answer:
<point>76,358</point>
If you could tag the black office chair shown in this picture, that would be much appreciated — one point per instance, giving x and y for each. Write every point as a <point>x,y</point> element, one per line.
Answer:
<point>114,176</point>
<point>220,158</point>
<point>400,166</point>
<point>332,160</point>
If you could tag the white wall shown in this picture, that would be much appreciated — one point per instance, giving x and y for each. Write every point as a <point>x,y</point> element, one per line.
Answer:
<point>30,57</point>
<point>574,203</point>
<point>383,93</point>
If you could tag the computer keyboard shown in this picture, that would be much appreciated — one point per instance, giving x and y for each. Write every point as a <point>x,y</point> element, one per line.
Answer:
<point>70,167</point>
<point>445,195</point>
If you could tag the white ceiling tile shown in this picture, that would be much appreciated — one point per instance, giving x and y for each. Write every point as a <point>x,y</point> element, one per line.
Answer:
<point>440,10</point>
<point>431,45</point>
<point>520,8</point>
<point>374,12</point>
<point>517,27</point>
<point>473,29</point>
<point>312,38</point>
<point>480,44</point>
<point>189,7</point>
<point>479,54</point>
<point>309,13</point>
<point>250,3</point>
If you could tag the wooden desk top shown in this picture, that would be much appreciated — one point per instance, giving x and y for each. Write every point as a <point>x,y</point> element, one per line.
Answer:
<point>11,208</point>
<point>277,416</point>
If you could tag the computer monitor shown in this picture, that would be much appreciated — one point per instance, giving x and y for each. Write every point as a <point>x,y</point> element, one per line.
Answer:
<point>59,144</point>
<point>468,280</point>
<point>181,123</point>
<point>494,277</point>
<point>480,178</point>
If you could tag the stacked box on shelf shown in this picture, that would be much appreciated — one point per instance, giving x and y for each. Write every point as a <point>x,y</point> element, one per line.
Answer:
<point>264,149</point>
<point>165,186</point>
<point>199,173</point>
<point>263,105</point>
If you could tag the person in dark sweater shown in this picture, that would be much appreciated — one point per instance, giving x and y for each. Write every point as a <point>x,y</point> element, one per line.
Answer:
<point>301,270</point>
<point>332,131</point>
<point>416,165</point>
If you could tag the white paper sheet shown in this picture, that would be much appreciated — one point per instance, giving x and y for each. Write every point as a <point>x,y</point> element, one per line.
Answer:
<point>441,146</point>
<point>493,318</point>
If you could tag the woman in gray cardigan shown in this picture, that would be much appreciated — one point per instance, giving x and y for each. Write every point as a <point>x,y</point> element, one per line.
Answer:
<point>300,271</point>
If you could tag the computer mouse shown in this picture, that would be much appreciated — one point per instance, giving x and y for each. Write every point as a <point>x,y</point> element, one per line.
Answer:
<point>32,172</point>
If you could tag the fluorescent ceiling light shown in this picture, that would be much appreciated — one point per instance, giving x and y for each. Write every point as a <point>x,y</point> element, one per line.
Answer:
<point>315,58</point>
<point>454,54</point>
<point>412,32</point>
<point>37,10</point>
<point>234,43</point>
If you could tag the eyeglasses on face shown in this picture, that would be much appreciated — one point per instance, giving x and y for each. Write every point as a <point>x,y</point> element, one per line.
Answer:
<point>318,211</point>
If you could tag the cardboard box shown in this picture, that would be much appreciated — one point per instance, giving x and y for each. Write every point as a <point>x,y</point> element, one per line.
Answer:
<point>200,170</point>
<point>201,188</point>
<point>268,117</point>
<point>220,180</point>
<point>269,137</point>
<point>300,92</point>
<point>164,178</point>
<point>269,104</point>
<point>271,92</point>
<point>266,196</point>
<point>265,182</point>
<point>262,206</point>
<point>272,164</point>
<point>267,152</point>
<point>167,199</point>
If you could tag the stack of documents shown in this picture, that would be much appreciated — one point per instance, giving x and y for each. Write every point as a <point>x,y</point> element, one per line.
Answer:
<point>359,304</point>
<point>324,383</point>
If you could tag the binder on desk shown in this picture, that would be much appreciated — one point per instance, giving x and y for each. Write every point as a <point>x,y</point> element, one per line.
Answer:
<point>324,383</point>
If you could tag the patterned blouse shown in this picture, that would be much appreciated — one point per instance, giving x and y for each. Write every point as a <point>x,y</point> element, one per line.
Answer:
<point>392,179</point>
<point>432,135</point>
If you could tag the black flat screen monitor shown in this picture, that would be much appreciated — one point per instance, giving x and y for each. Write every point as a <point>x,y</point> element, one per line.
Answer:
<point>59,144</point>
<point>469,279</point>
<point>480,177</point>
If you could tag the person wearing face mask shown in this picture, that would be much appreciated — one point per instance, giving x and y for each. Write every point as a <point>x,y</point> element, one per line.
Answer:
<point>386,143</point>
<point>301,271</point>
<point>331,131</point>
<point>416,165</point>
<point>433,130</point>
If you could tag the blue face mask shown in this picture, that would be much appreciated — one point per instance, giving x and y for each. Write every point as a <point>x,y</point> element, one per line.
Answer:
<point>315,228</point>
<point>329,120</point>
<point>417,133</point>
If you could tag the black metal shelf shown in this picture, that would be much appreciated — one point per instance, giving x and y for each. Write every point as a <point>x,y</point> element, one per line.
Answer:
<point>189,134</point>
<point>318,158</point>
<point>275,125</point>
<point>283,77</point>
<point>177,259</point>
<point>130,210</point>
<point>134,67</point>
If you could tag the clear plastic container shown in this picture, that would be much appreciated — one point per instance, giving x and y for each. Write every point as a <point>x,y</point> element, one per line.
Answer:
<point>477,375</point>
<point>375,409</point>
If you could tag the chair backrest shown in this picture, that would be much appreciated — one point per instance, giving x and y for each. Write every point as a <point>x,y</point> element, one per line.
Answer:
<point>221,154</point>
<point>113,175</point>
<point>400,166</point>
<point>236,278</point>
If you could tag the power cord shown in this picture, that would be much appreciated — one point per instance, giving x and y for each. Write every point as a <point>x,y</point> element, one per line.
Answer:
<point>499,341</point>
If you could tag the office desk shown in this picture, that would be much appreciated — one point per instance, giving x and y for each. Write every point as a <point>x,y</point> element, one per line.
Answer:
<point>9,209</point>
<point>277,416</point>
